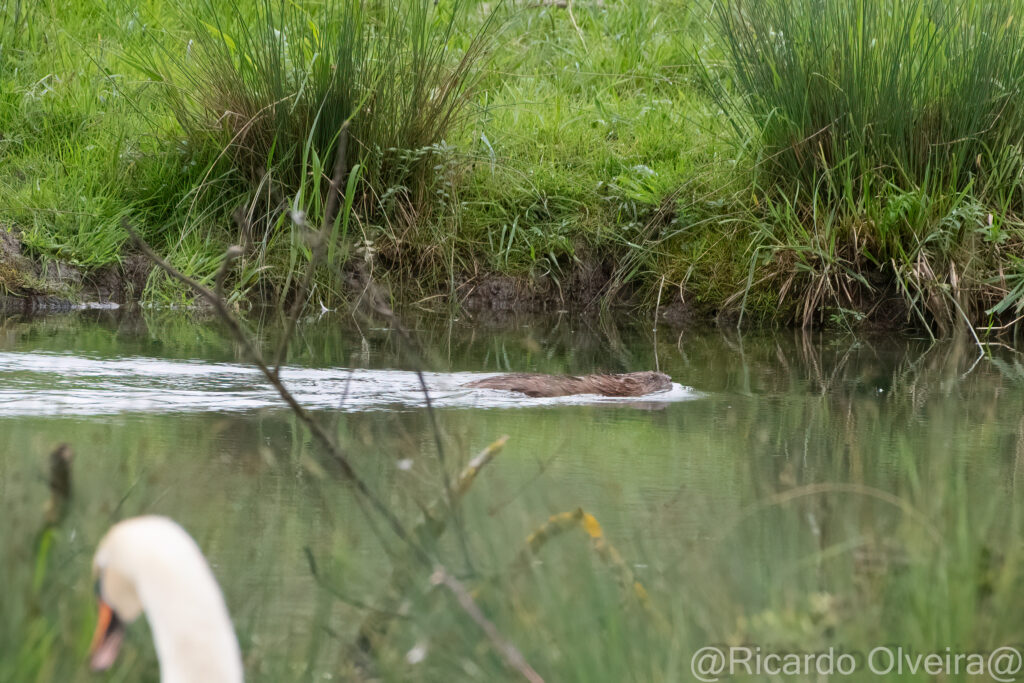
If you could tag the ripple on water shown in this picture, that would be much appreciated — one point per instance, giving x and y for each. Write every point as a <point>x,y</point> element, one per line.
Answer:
<point>59,384</point>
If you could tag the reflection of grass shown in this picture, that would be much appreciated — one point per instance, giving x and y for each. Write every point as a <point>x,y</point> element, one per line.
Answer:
<point>764,513</point>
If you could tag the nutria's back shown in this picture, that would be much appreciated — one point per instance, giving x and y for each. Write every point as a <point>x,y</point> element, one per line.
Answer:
<point>539,386</point>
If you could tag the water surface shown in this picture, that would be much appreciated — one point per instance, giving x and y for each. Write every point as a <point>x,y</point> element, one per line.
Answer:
<point>70,384</point>
<point>756,500</point>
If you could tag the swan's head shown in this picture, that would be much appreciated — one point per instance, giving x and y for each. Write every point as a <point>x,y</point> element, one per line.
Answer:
<point>151,565</point>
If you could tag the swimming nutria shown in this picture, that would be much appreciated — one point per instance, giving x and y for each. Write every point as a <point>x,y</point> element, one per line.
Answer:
<point>542,386</point>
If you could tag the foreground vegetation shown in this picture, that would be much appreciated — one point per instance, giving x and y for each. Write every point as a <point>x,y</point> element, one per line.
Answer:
<point>810,162</point>
<point>853,495</point>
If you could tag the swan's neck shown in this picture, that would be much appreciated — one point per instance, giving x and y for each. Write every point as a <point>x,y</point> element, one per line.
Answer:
<point>192,632</point>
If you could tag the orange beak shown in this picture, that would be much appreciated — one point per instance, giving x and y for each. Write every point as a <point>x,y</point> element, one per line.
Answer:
<point>106,641</point>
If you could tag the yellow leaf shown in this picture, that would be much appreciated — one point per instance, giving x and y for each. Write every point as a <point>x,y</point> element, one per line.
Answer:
<point>591,526</point>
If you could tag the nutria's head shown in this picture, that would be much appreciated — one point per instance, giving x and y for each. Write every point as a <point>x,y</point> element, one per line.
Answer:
<point>647,382</point>
<point>625,384</point>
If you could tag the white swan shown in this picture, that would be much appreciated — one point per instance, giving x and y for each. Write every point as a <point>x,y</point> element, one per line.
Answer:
<point>151,564</point>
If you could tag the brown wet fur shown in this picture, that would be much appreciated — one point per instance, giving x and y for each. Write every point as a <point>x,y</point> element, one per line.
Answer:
<point>543,386</point>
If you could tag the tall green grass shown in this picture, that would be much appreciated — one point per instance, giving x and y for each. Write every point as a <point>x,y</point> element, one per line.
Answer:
<point>885,140</point>
<point>868,152</point>
<point>271,84</point>
<point>852,95</point>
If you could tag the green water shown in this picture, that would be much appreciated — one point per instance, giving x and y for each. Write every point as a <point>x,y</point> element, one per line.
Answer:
<point>810,492</point>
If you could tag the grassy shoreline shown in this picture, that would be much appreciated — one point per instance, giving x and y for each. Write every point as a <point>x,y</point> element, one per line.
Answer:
<point>603,153</point>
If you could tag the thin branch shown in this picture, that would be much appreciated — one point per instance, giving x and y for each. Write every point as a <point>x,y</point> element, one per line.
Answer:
<point>542,467</point>
<point>375,626</point>
<point>377,303</point>
<point>508,651</point>
<point>445,479</point>
<point>513,657</point>
<point>319,434</point>
<point>314,570</point>
<point>1008,325</point>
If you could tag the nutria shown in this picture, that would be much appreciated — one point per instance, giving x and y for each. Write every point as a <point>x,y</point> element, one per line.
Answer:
<point>543,386</point>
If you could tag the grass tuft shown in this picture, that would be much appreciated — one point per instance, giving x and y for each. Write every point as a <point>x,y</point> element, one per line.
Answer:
<point>850,94</point>
<point>270,85</point>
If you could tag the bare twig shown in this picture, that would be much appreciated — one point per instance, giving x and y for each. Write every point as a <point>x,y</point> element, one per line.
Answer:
<point>510,653</point>
<point>1008,325</point>
<point>375,625</point>
<point>542,467</point>
<point>377,303</point>
<point>416,551</point>
<point>318,432</point>
<point>314,570</point>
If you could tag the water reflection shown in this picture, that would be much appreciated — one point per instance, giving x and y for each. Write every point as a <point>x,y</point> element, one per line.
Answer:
<point>821,490</point>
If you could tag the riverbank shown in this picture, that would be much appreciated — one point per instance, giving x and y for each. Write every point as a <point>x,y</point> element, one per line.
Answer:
<point>593,154</point>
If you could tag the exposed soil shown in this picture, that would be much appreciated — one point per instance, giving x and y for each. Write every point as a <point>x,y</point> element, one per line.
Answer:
<point>12,264</point>
<point>579,289</point>
<point>27,285</point>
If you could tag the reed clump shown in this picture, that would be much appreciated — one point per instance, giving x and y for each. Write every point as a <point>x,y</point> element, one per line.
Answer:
<point>270,85</point>
<point>853,95</point>
<point>884,141</point>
